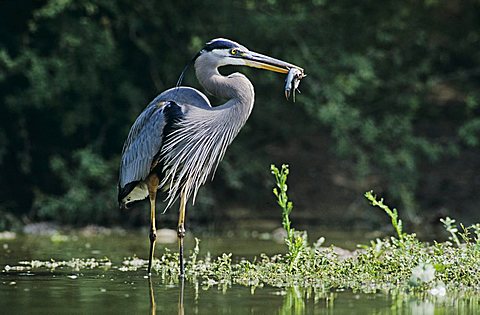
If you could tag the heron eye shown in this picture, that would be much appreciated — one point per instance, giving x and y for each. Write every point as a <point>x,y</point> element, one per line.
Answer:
<point>233,51</point>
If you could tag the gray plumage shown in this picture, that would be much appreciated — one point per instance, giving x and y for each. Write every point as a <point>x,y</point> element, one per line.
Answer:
<point>187,144</point>
<point>200,136</point>
<point>145,138</point>
<point>177,142</point>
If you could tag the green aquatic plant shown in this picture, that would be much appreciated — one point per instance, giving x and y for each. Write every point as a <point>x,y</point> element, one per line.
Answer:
<point>296,241</point>
<point>418,268</point>
<point>451,228</point>
<point>476,230</point>
<point>280,191</point>
<point>393,214</point>
<point>393,265</point>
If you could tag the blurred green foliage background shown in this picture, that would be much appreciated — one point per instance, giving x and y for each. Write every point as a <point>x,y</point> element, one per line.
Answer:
<point>391,103</point>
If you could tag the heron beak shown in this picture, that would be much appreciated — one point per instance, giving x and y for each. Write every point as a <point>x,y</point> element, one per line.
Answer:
<point>255,60</point>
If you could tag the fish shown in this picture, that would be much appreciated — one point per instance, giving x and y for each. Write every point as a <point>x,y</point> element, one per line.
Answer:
<point>292,82</point>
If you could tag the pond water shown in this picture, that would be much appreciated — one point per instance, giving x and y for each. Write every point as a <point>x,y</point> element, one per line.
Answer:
<point>111,291</point>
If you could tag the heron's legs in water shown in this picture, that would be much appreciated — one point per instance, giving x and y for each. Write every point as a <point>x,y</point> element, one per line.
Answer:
<point>152,183</point>
<point>181,232</point>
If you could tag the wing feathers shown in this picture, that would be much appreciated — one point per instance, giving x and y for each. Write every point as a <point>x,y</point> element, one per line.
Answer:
<point>143,146</point>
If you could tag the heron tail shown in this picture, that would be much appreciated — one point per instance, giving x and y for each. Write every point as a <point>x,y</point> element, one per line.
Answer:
<point>132,193</point>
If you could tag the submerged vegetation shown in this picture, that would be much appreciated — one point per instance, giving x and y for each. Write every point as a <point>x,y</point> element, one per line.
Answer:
<point>400,264</point>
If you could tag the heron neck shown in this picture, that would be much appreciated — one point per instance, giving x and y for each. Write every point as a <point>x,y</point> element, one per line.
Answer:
<point>235,88</point>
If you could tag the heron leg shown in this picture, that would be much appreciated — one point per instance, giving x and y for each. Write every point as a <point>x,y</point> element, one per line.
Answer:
<point>181,233</point>
<point>152,184</point>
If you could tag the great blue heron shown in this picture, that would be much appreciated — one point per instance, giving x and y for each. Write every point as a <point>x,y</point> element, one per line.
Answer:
<point>179,139</point>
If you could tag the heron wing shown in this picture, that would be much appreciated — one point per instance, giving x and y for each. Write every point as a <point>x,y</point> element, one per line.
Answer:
<point>144,141</point>
<point>184,95</point>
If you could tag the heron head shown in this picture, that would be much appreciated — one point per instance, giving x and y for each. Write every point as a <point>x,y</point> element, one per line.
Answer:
<point>222,52</point>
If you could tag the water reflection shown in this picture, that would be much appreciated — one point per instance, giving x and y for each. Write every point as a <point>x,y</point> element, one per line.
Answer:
<point>114,289</point>
<point>153,305</point>
<point>293,302</point>
<point>180,296</point>
<point>298,300</point>
<point>181,292</point>
<point>125,292</point>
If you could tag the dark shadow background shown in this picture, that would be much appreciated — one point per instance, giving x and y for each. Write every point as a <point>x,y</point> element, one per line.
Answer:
<point>391,103</point>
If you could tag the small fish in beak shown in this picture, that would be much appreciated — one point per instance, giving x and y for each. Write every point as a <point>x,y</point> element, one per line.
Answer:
<point>292,82</point>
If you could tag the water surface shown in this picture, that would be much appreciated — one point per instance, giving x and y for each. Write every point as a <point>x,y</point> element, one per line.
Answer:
<point>108,290</point>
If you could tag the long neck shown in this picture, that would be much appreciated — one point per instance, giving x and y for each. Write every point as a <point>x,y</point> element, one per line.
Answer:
<point>235,88</point>
<point>205,133</point>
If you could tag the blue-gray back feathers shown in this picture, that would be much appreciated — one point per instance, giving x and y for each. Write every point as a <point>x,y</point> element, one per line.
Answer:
<point>180,137</point>
<point>144,142</point>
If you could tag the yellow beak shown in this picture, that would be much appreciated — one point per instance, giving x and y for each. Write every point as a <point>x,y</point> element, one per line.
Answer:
<point>255,60</point>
